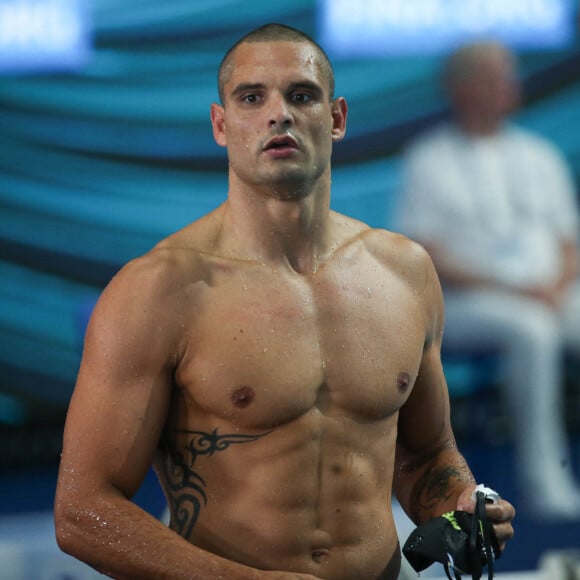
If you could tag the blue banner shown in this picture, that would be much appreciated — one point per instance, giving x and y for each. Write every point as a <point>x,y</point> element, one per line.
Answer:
<point>38,35</point>
<point>416,27</point>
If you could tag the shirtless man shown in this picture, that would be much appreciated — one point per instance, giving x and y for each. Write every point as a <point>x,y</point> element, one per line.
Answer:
<point>277,362</point>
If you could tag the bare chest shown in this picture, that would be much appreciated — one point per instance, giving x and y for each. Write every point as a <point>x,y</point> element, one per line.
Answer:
<point>264,350</point>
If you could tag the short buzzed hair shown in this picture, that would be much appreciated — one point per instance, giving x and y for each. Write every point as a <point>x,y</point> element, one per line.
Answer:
<point>274,33</point>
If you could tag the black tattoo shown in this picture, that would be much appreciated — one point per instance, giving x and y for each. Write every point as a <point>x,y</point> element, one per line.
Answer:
<point>187,489</point>
<point>435,487</point>
<point>437,481</point>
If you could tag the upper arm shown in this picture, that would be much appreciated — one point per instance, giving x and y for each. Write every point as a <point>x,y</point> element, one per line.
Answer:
<point>121,398</point>
<point>427,459</point>
<point>428,403</point>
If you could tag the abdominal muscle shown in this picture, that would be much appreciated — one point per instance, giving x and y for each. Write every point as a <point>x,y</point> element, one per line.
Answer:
<point>312,496</point>
<point>358,545</point>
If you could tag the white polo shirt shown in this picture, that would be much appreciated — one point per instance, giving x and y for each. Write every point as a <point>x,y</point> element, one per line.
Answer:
<point>498,205</point>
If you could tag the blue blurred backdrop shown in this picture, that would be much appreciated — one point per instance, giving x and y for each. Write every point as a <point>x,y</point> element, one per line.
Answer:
<point>104,154</point>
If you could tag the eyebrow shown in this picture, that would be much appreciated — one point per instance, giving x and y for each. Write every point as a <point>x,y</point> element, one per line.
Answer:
<point>245,87</point>
<point>313,87</point>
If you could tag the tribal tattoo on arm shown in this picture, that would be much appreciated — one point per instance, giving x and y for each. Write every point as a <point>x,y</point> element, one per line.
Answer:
<point>434,487</point>
<point>187,489</point>
<point>436,484</point>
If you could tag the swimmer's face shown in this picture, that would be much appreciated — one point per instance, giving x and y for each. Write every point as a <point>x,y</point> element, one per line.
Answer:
<point>278,120</point>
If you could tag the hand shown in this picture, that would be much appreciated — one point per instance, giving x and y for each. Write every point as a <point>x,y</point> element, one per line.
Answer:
<point>500,515</point>
<point>550,295</point>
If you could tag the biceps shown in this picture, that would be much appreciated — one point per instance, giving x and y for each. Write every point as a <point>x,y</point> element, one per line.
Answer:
<point>424,420</point>
<point>113,426</point>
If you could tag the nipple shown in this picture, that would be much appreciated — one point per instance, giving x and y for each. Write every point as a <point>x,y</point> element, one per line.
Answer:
<point>403,381</point>
<point>243,396</point>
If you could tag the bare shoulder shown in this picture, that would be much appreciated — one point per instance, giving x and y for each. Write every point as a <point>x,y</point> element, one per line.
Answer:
<point>396,252</point>
<point>160,272</point>
<point>176,262</point>
<point>400,253</point>
<point>146,297</point>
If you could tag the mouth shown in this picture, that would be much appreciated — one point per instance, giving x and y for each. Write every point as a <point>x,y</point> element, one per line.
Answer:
<point>281,144</point>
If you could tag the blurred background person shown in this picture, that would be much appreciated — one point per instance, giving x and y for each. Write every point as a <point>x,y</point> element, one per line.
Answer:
<point>496,208</point>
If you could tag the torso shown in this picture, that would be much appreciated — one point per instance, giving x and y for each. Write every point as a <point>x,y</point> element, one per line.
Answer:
<point>279,447</point>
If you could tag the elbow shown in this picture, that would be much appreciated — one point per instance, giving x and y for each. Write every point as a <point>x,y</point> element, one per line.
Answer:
<point>80,524</point>
<point>76,532</point>
<point>73,525</point>
<point>66,532</point>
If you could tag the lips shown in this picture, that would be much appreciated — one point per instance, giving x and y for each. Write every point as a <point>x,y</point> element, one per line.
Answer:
<point>281,142</point>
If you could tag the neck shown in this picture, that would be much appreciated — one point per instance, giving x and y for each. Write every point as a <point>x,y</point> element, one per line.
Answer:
<point>477,125</point>
<point>289,229</point>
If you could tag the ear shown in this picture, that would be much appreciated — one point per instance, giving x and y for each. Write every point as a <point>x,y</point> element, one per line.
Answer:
<point>339,113</point>
<point>218,124</point>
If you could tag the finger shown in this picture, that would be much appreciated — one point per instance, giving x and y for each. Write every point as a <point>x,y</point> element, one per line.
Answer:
<point>503,533</point>
<point>466,502</point>
<point>502,511</point>
<point>501,516</point>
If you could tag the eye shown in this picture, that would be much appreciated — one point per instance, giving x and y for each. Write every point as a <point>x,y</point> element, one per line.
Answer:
<point>301,97</point>
<point>251,98</point>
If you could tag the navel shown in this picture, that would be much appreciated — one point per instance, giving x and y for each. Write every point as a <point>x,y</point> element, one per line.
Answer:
<point>320,555</point>
<point>243,396</point>
<point>403,381</point>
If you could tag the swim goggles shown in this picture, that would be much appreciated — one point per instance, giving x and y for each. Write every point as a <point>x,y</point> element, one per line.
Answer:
<point>464,543</point>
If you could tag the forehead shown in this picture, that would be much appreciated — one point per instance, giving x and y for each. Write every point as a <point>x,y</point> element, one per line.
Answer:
<point>270,62</point>
<point>496,62</point>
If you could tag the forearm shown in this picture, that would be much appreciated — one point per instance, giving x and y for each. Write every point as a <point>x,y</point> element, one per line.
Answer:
<point>430,485</point>
<point>119,539</point>
<point>570,263</point>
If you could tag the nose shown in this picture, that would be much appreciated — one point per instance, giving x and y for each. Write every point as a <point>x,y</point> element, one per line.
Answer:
<point>280,113</point>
